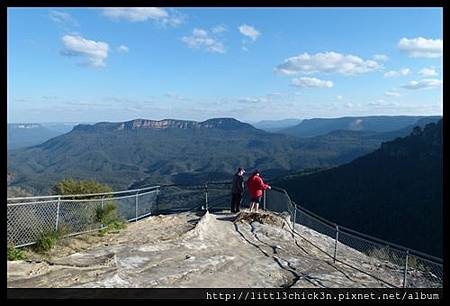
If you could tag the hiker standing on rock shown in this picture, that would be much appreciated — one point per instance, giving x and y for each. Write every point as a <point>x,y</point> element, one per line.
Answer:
<point>255,186</point>
<point>237,189</point>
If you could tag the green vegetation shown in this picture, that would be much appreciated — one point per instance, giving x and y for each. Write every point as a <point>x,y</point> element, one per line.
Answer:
<point>107,216</point>
<point>48,240</point>
<point>416,264</point>
<point>15,253</point>
<point>70,186</point>
<point>379,124</point>
<point>393,193</point>
<point>385,254</point>
<point>118,157</point>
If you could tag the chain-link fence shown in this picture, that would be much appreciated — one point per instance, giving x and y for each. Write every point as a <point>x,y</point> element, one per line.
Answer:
<point>393,265</point>
<point>29,218</point>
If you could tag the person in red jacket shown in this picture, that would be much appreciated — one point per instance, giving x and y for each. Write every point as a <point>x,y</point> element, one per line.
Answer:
<point>255,186</point>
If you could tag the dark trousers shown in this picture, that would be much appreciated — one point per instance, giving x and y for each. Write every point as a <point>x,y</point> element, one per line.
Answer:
<point>235,202</point>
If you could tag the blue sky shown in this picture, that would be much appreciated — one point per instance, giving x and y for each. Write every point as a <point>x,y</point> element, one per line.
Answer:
<point>117,64</point>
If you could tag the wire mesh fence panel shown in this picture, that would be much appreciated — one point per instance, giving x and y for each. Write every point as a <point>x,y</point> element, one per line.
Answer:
<point>27,222</point>
<point>180,198</point>
<point>376,259</point>
<point>77,216</point>
<point>219,196</point>
<point>29,218</point>
<point>315,224</point>
<point>146,203</point>
<point>126,206</point>
<point>327,243</point>
<point>276,201</point>
<point>423,273</point>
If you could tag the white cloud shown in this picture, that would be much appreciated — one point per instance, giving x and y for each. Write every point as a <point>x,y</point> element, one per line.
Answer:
<point>249,31</point>
<point>142,14</point>
<point>95,52</point>
<point>421,47</point>
<point>395,74</point>
<point>383,104</point>
<point>219,29</point>
<point>348,105</point>
<point>339,97</point>
<point>428,72</point>
<point>311,83</point>
<point>423,84</point>
<point>256,100</point>
<point>200,39</point>
<point>380,57</point>
<point>328,62</point>
<point>392,93</point>
<point>123,49</point>
<point>175,96</point>
<point>62,18</point>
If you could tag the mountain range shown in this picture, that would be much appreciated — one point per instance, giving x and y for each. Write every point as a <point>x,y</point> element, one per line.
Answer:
<point>20,135</point>
<point>275,125</point>
<point>319,126</point>
<point>145,152</point>
<point>394,193</point>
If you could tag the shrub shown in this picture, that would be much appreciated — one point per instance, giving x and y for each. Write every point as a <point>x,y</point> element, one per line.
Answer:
<point>107,216</point>
<point>15,254</point>
<point>70,186</point>
<point>48,240</point>
<point>415,264</point>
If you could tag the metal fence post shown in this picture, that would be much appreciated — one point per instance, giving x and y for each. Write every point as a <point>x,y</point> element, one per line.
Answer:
<point>102,205</point>
<point>157,199</point>
<point>264,199</point>
<point>137,204</point>
<point>335,243</point>
<point>406,269</point>
<point>57,213</point>
<point>294,218</point>
<point>206,196</point>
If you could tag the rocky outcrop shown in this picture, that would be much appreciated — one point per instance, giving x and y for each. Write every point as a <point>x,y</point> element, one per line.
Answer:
<point>210,251</point>
<point>216,123</point>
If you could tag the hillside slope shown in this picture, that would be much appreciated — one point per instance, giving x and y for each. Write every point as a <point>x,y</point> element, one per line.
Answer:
<point>394,193</point>
<point>174,151</point>
<point>382,124</point>
<point>26,135</point>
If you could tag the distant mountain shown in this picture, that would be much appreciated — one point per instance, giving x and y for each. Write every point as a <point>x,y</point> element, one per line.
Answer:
<point>394,193</point>
<point>276,125</point>
<point>61,127</point>
<point>20,135</point>
<point>321,126</point>
<point>139,152</point>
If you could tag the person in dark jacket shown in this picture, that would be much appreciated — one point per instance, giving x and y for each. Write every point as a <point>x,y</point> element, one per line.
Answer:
<point>256,187</point>
<point>237,188</point>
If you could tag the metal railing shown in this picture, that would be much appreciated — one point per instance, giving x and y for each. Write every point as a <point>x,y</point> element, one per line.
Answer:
<point>29,217</point>
<point>391,264</point>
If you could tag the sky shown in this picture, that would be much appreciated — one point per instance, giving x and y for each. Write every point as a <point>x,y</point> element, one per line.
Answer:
<point>252,64</point>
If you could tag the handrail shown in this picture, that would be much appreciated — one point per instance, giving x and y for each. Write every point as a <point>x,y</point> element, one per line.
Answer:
<point>388,243</point>
<point>82,195</point>
<point>275,188</point>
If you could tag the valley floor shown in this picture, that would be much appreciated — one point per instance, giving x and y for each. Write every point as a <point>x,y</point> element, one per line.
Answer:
<point>190,250</point>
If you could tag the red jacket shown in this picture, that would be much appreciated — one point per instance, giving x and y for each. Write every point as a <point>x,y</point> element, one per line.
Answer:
<point>256,186</point>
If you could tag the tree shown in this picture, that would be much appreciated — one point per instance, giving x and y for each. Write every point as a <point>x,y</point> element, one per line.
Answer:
<point>76,215</point>
<point>70,186</point>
